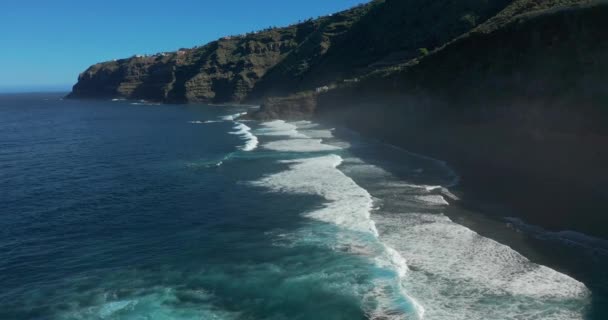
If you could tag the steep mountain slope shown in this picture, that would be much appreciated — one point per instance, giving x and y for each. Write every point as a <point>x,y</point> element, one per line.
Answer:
<point>225,70</point>
<point>519,104</point>
<point>220,71</point>
<point>390,32</point>
<point>286,60</point>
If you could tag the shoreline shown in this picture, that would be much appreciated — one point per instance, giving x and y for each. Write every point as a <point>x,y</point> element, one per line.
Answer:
<point>585,264</point>
<point>489,217</point>
<point>480,210</point>
<point>473,177</point>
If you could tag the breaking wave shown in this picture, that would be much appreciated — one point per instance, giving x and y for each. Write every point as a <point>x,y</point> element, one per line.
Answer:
<point>233,117</point>
<point>243,131</point>
<point>346,205</point>
<point>457,273</point>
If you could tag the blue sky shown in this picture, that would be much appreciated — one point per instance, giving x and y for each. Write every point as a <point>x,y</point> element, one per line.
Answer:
<point>46,44</point>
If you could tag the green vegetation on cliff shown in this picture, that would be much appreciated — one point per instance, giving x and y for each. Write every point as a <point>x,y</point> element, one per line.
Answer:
<point>226,70</point>
<point>282,61</point>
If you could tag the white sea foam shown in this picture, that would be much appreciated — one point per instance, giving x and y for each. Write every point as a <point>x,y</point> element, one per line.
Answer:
<point>300,145</point>
<point>305,124</point>
<point>318,134</point>
<point>395,260</point>
<point>433,199</point>
<point>251,141</point>
<point>462,275</point>
<point>298,141</point>
<point>233,117</point>
<point>454,272</point>
<point>279,128</point>
<point>347,205</point>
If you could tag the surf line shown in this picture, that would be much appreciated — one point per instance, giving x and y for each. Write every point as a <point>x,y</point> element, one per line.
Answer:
<point>348,205</point>
<point>244,132</point>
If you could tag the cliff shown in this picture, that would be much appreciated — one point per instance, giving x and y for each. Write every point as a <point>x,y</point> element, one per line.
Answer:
<point>511,93</point>
<point>282,61</point>
<point>222,71</point>
<point>517,105</point>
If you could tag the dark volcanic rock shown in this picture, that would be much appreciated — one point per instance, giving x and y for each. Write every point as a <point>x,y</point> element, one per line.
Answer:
<point>518,106</point>
<point>295,107</point>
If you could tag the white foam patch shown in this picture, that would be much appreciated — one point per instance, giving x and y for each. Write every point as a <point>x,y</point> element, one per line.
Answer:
<point>233,117</point>
<point>300,145</point>
<point>462,275</point>
<point>433,199</point>
<point>304,124</point>
<point>347,205</point>
<point>251,141</point>
<point>454,272</point>
<point>392,259</point>
<point>318,134</point>
<point>459,270</point>
<point>279,128</point>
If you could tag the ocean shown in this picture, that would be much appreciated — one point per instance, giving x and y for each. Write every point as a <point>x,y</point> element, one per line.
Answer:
<point>133,210</point>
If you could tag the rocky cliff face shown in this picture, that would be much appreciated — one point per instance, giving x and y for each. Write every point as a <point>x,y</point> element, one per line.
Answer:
<point>282,61</point>
<point>226,70</point>
<point>518,106</point>
<point>222,71</point>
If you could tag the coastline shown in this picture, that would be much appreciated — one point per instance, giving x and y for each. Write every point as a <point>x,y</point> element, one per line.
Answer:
<point>565,251</point>
<point>482,209</point>
<point>476,207</point>
<point>545,178</point>
<point>400,182</point>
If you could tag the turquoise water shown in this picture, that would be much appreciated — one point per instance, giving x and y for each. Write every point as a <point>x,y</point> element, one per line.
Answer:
<point>120,210</point>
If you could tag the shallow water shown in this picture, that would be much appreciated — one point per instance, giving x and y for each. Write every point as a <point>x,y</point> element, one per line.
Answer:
<point>120,211</point>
